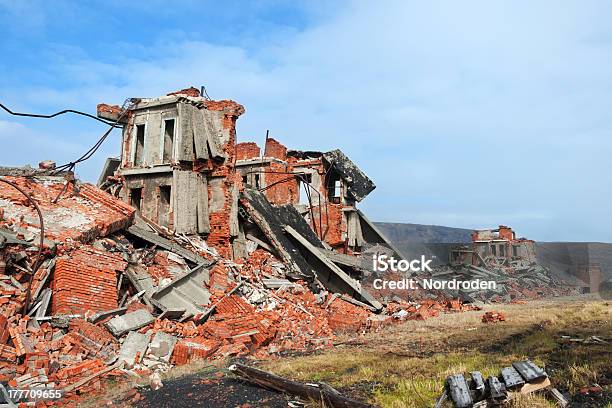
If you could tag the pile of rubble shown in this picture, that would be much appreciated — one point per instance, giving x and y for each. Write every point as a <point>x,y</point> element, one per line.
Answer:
<point>515,281</point>
<point>193,246</point>
<point>115,293</point>
<point>522,377</point>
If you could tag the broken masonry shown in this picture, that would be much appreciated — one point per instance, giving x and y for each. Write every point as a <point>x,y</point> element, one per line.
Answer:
<point>186,249</point>
<point>192,246</point>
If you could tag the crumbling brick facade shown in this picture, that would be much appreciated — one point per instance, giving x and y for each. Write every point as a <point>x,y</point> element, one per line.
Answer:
<point>311,183</point>
<point>495,247</point>
<point>182,169</point>
<point>177,164</point>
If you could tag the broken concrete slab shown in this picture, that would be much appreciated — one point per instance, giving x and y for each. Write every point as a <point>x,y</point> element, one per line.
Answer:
<point>162,346</point>
<point>134,348</point>
<point>187,292</point>
<point>289,215</point>
<point>265,217</point>
<point>359,185</point>
<point>119,325</point>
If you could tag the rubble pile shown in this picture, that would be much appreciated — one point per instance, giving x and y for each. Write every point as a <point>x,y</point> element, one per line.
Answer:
<point>106,301</point>
<point>493,317</point>
<point>515,281</point>
<point>192,247</point>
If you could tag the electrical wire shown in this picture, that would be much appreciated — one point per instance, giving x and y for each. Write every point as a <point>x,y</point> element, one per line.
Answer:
<point>70,165</point>
<point>34,115</point>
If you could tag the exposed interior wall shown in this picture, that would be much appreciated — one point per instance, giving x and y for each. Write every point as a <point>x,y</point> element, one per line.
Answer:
<point>151,190</point>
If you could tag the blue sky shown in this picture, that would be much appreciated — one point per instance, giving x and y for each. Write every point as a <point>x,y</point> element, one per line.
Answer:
<point>468,114</point>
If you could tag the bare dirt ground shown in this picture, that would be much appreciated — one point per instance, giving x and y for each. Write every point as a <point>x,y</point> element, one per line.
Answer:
<point>405,365</point>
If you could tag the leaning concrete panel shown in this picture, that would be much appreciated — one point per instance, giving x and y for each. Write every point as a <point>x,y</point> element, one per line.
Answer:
<point>264,215</point>
<point>216,136</point>
<point>184,139</point>
<point>200,135</point>
<point>185,202</point>
<point>203,214</point>
<point>330,275</point>
<point>359,185</point>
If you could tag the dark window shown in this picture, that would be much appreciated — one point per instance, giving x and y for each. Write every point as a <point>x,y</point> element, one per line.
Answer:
<point>257,181</point>
<point>163,215</point>
<point>136,197</point>
<point>140,140</point>
<point>502,250</point>
<point>168,139</point>
<point>494,250</point>
<point>515,250</point>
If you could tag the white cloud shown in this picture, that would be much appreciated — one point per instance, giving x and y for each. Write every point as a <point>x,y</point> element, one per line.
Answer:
<point>471,107</point>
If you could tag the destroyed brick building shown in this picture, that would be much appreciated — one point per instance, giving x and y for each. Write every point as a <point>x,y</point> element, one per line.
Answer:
<point>325,187</point>
<point>494,247</point>
<point>181,167</point>
<point>193,246</point>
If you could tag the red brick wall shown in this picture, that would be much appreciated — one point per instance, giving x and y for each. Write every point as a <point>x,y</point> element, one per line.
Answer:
<point>275,149</point>
<point>219,237</point>
<point>286,191</point>
<point>247,150</point>
<point>86,280</point>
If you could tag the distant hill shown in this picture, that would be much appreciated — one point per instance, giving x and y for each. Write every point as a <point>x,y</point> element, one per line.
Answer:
<point>400,233</point>
<point>435,241</point>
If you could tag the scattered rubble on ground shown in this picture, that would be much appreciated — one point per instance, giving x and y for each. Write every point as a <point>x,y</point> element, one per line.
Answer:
<point>191,247</point>
<point>493,317</point>
<point>522,377</point>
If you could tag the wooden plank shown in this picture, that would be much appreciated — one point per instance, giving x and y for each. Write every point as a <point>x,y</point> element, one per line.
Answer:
<point>185,133</point>
<point>535,386</point>
<point>203,214</point>
<point>323,393</point>
<point>559,398</point>
<point>199,134</point>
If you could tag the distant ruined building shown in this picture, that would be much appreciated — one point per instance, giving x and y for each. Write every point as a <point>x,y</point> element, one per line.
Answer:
<point>495,247</point>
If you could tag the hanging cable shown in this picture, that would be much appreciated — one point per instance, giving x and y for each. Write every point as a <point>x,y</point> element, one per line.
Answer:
<point>70,165</point>
<point>34,115</point>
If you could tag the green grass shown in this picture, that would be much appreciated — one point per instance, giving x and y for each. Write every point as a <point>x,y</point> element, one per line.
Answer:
<point>405,366</point>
